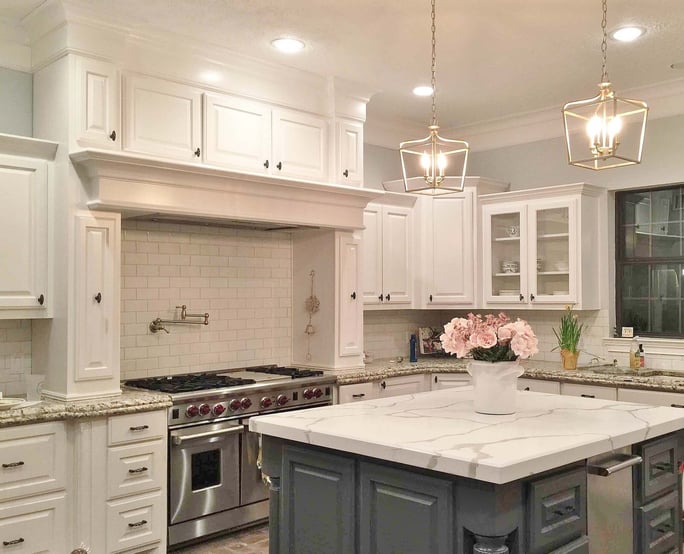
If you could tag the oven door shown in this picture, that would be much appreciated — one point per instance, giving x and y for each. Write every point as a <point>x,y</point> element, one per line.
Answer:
<point>204,470</point>
<point>252,488</point>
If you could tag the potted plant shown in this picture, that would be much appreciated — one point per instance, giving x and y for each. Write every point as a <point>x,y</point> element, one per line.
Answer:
<point>568,336</point>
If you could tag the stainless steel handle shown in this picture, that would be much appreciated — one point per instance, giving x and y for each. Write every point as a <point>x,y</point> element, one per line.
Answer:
<point>12,464</point>
<point>177,440</point>
<point>612,464</point>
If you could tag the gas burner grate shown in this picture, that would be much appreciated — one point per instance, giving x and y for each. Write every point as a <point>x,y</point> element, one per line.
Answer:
<point>188,382</point>
<point>293,372</point>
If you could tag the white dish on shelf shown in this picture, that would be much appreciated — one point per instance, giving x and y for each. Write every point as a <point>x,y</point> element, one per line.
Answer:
<point>9,403</point>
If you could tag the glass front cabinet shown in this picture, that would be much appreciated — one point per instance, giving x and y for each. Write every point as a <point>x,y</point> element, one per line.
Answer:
<point>540,248</point>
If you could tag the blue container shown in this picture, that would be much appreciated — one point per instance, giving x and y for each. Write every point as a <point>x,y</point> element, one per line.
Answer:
<point>414,343</point>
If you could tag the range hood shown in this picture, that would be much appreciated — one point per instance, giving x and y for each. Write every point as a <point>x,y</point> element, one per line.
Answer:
<point>142,187</point>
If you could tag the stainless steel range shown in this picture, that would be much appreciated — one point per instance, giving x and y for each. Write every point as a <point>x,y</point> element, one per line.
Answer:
<point>214,483</point>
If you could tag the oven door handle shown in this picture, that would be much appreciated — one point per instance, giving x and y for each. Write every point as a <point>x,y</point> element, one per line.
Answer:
<point>177,440</point>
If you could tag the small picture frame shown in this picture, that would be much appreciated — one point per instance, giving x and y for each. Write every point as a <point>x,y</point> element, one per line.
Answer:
<point>429,340</point>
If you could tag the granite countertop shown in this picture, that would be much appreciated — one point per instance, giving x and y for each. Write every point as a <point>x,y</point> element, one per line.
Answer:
<point>663,381</point>
<point>128,402</point>
<point>439,431</point>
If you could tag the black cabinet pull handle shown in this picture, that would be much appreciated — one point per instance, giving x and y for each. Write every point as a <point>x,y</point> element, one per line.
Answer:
<point>345,173</point>
<point>279,165</point>
<point>360,395</point>
<point>435,378</point>
<point>138,523</point>
<point>383,385</point>
<point>353,295</point>
<point>266,164</point>
<point>15,541</point>
<point>526,388</point>
<point>587,396</point>
<point>664,529</point>
<point>12,464</point>
<point>98,297</point>
<point>139,428</point>
<point>387,297</point>
<point>112,135</point>
<point>522,298</point>
<point>380,297</point>
<point>677,405</point>
<point>663,466</point>
<point>430,298</point>
<point>41,300</point>
<point>531,297</point>
<point>197,153</point>
<point>142,469</point>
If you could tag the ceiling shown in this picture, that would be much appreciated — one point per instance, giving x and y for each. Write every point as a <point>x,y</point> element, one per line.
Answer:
<point>495,59</point>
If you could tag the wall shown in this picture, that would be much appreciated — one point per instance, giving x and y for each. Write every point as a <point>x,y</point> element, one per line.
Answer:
<point>380,164</point>
<point>16,99</point>
<point>15,355</point>
<point>243,279</point>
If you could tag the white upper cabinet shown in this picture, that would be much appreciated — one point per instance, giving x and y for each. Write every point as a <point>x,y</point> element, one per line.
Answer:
<point>300,145</point>
<point>349,153</point>
<point>237,133</point>
<point>24,238</point>
<point>540,248</point>
<point>387,256</point>
<point>97,104</point>
<point>162,118</point>
<point>350,313</point>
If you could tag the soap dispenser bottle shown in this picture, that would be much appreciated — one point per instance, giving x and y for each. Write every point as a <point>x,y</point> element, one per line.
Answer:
<point>634,353</point>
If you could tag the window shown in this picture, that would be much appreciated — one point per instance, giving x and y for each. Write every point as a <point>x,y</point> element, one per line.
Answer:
<point>650,260</point>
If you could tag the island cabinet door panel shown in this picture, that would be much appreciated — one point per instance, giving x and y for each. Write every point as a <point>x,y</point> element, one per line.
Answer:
<point>657,526</point>
<point>404,513</point>
<point>318,505</point>
<point>659,471</point>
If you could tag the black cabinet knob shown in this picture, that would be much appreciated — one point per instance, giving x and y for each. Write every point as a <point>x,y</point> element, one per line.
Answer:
<point>197,153</point>
<point>526,388</point>
<point>345,173</point>
<point>380,297</point>
<point>112,135</point>
<point>387,297</point>
<point>531,297</point>
<point>522,298</point>
<point>430,298</point>
<point>383,385</point>
<point>353,295</point>
<point>279,165</point>
<point>98,297</point>
<point>266,164</point>
<point>41,300</point>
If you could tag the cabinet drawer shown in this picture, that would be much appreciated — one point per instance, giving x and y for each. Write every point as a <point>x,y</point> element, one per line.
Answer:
<point>658,525</point>
<point>128,428</point>
<point>538,385</point>
<point>589,391</point>
<point>33,526</point>
<point>133,523</point>
<point>656,398</point>
<point>556,510</point>
<point>580,546</point>
<point>135,468</point>
<point>33,459</point>
<point>355,393</point>
<point>659,471</point>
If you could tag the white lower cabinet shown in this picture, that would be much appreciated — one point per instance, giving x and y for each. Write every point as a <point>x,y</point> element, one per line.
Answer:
<point>441,381</point>
<point>539,385</point>
<point>656,398</point>
<point>356,392</point>
<point>589,391</point>
<point>34,525</point>
<point>404,384</point>
<point>134,522</point>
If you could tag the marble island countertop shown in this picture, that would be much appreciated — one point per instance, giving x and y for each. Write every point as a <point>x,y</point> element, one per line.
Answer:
<point>548,371</point>
<point>439,431</point>
<point>127,402</point>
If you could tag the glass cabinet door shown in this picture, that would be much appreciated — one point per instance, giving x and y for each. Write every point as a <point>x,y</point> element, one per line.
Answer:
<point>505,263</point>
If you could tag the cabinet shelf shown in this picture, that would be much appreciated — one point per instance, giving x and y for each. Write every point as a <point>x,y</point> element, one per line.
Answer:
<point>506,239</point>
<point>566,272</point>
<point>554,236</point>
<point>507,275</point>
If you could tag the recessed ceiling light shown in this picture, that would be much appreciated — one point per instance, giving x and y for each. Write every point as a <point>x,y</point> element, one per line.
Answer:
<point>627,33</point>
<point>423,90</point>
<point>287,45</point>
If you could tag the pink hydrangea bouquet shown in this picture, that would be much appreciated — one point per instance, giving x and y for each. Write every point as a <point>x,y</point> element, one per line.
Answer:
<point>494,338</point>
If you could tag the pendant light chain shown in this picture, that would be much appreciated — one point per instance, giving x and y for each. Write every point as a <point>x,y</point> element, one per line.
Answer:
<point>604,43</point>
<point>434,66</point>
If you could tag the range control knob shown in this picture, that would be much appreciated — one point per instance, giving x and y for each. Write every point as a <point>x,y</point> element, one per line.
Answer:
<point>234,405</point>
<point>192,411</point>
<point>308,394</point>
<point>204,409</point>
<point>219,409</point>
<point>245,403</point>
<point>282,399</point>
<point>266,402</point>
<point>317,392</point>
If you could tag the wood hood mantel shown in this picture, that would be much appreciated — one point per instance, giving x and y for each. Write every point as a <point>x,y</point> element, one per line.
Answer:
<point>138,186</point>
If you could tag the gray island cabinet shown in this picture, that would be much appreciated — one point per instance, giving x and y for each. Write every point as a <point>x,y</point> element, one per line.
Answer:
<point>425,474</point>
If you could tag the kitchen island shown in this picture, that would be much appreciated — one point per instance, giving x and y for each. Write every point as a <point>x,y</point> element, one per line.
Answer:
<point>424,473</point>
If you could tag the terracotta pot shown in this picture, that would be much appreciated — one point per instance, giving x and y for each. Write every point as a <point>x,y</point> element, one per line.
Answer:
<point>495,386</point>
<point>569,359</point>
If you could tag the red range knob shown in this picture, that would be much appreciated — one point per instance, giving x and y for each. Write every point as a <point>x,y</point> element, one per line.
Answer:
<point>234,405</point>
<point>266,402</point>
<point>317,392</point>
<point>219,409</point>
<point>192,411</point>
<point>282,400</point>
<point>245,403</point>
<point>204,409</point>
<point>308,394</point>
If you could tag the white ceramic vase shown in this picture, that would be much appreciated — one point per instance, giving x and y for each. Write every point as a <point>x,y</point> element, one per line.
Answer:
<point>494,386</point>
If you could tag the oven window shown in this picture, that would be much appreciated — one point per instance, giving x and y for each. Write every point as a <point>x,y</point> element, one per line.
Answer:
<point>206,469</point>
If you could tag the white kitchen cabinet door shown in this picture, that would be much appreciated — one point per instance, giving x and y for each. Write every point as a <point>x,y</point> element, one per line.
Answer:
<point>97,296</point>
<point>397,270</point>
<point>405,384</point>
<point>441,381</point>
<point>350,313</point>
<point>371,278</point>
<point>36,525</point>
<point>237,133</point>
<point>162,118</point>
<point>356,392</point>
<point>23,238</point>
<point>589,391</point>
<point>349,146</point>
<point>448,245</point>
<point>300,145</point>
<point>97,110</point>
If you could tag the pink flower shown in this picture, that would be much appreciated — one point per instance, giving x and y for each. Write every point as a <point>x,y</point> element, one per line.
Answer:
<point>486,338</point>
<point>505,333</point>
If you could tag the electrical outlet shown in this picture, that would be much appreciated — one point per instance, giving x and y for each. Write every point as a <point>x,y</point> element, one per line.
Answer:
<point>628,332</point>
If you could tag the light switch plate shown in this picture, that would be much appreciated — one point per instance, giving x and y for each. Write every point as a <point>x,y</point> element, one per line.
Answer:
<point>628,332</point>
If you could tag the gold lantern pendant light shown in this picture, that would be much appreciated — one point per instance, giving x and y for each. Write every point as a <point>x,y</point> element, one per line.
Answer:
<point>424,162</point>
<point>605,131</point>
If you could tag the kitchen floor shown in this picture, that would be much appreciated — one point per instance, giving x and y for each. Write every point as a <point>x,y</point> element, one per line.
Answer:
<point>249,541</point>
